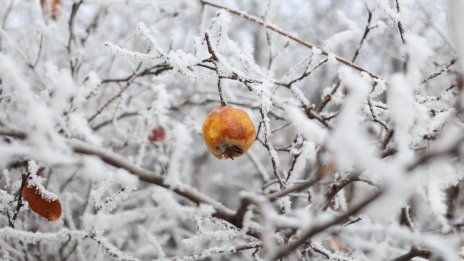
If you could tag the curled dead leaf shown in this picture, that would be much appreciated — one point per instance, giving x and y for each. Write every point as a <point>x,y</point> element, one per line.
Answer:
<point>49,208</point>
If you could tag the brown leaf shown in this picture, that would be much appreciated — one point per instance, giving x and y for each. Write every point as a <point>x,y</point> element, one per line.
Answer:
<point>47,208</point>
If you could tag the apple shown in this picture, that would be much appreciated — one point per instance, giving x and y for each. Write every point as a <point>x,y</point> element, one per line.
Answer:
<point>228,132</point>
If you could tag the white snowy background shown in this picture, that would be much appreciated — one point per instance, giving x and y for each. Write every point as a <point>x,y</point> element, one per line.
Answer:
<point>359,107</point>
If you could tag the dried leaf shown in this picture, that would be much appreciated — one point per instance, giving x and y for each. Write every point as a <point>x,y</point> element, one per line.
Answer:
<point>48,208</point>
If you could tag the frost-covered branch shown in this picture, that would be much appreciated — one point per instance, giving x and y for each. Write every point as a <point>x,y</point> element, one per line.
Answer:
<point>442,70</point>
<point>154,70</point>
<point>215,60</point>
<point>289,36</point>
<point>217,250</point>
<point>74,9</point>
<point>309,233</point>
<point>150,177</point>
<point>267,143</point>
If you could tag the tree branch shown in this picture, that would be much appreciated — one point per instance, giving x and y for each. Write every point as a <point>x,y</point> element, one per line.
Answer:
<point>290,36</point>
<point>160,68</point>
<point>309,233</point>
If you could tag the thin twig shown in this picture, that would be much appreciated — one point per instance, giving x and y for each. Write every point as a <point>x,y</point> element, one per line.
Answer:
<point>341,184</point>
<point>270,148</point>
<point>367,29</point>
<point>374,116</point>
<point>109,121</point>
<point>441,71</point>
<point>298,187</point>
<point>39,52</point>
<point>146,72</point>
<point>387,139</point>
<point>126,86</point>
<point>75,7</point>
<point>292,166</point>
<point>305,74</point>
<point>7,14</point>
<point>215,60</point>
<point>400,25</point>
<point>19,199</point>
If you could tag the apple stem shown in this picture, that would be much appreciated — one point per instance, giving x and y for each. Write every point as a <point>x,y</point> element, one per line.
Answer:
<point>221,94</point>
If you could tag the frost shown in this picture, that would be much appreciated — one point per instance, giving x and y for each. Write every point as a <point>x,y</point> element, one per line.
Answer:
<point>332,59</point>
<point>106,198</point>
<point>300,95</point>
<point>78,127</point>
<point>339,39</point>
<point>179,155</point>
<point>32,167</point>
<point>316,50</point>
<point>379,89</point>
<point>391,14</point>
<point>419,51</point>
<point>401,105</point>
<point>455,8</point>
<point>183,63</point>
<point>351,147</point>
<point>158,248</point>
<point>5,199</point>
<point>215,236</point>
<point>135,56</point>
<point>49,196</point>
<point>440,177</point>
<point>378,28</point>
<point>150,38</point>
<point>61,86</point>
<point>93,169</point>
<point>310,130</point>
